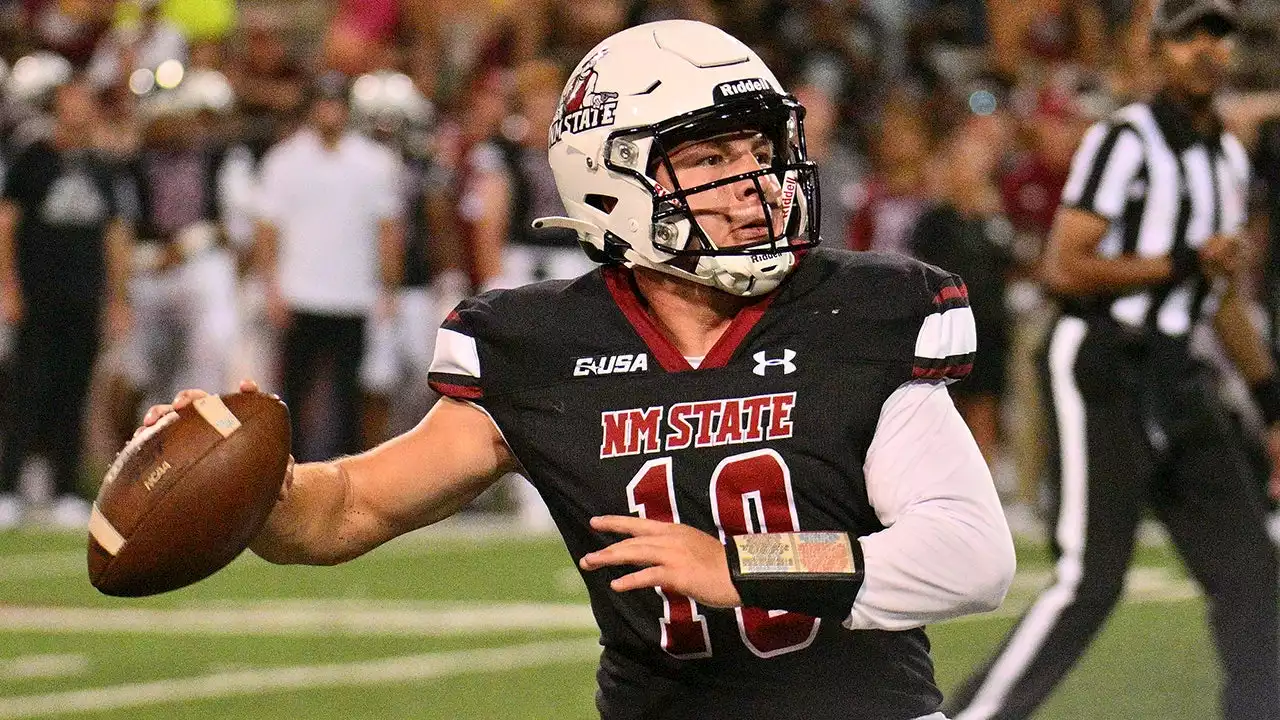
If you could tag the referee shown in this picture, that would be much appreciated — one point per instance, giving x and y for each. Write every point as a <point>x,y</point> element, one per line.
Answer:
<point>1144,245</point>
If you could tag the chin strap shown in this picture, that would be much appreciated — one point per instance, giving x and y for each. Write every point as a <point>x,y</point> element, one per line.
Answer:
<point>748,275</point>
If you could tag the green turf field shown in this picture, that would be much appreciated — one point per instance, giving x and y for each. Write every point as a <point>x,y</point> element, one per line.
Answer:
<point>446,624</point>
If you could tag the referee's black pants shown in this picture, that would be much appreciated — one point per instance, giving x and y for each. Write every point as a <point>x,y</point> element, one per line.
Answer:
<point>1139,425</point>
<point>312,345</point>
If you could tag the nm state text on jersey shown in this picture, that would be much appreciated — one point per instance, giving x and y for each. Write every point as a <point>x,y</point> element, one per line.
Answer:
<point>708,423</point>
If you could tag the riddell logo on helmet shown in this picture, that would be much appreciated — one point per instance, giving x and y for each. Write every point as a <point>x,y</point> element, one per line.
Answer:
<point>788,194</point>
<point>726,90</point>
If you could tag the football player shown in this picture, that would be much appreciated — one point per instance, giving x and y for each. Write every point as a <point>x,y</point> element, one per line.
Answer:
<point>746,441</point>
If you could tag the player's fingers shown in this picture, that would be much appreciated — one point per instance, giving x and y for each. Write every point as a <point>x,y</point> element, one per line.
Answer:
<point>627,525</point>
<point>646,578</point>
<point>154,413</point>
<point>186,397</point>
<point>248,385</point>
<point>632,551</point>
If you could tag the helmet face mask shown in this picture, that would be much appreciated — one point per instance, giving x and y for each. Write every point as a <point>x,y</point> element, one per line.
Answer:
<point>781,185</point>
<point>642,97</point>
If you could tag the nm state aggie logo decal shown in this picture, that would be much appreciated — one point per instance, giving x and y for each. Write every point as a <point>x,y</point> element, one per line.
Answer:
<point>583,107</point>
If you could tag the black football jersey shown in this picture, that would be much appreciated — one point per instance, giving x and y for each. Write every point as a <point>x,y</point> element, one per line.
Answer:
<point>768,434</point>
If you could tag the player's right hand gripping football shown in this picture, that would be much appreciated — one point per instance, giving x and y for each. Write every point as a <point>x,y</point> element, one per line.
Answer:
<point>185,398</point>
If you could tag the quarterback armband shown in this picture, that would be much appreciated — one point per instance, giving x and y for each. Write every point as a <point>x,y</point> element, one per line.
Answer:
<point>1267,395</point>
<point>815,573</point>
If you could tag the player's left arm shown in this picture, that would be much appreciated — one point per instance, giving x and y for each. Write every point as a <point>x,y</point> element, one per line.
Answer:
<point>676,557</point>
<point>119,254</point>
<point>946,549</point>
<point>1224,260</point>
<point>390,253</point>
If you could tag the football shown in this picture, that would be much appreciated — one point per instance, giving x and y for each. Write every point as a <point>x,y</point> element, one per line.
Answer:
<point>188,494</point>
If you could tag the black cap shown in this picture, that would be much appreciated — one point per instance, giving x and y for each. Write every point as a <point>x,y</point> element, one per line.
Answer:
<point>1175,16</point>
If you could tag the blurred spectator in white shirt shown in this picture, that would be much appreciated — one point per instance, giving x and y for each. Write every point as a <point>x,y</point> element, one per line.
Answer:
<point>331,248</point>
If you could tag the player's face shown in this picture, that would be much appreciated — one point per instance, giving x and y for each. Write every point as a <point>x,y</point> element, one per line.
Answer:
<point>1196,60</point>
<point>733,214</point>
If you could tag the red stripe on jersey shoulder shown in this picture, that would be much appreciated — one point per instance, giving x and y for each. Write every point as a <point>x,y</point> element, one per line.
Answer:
<point>942,372</point>
<point>952,290</point>
<point>463,392</point>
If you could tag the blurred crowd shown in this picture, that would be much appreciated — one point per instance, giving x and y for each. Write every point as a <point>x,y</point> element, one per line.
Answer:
<point>943,129</point>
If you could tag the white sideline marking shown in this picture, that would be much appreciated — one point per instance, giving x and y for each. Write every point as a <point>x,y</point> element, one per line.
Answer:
<point>310,619</point>
<point>301,677</point>
<point>27,667</point>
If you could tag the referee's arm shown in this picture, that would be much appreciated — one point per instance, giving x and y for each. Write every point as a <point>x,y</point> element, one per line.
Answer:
<point>1106,164</point>
<point>1240,339</point>
<point>1071,265</point>
<point>1244,345</point>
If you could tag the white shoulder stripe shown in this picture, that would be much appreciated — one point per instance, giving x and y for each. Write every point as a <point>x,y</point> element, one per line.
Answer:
<point>455,354</point>
<point>947,334</point>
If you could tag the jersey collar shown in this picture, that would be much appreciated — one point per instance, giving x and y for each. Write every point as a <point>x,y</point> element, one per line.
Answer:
<point>620,283</point>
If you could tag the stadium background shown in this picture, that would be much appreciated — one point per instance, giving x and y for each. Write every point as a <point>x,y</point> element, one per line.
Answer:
<point>484,617</point>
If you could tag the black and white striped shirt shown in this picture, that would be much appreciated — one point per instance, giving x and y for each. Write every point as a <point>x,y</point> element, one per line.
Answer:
<point>1163,186</point>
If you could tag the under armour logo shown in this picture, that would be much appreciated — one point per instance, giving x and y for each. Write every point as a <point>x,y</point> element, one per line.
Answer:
<point>763,362</point>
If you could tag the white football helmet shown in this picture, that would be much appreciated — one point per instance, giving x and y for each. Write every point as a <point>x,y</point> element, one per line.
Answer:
<point>385,96</point>
<point>634,99</point>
